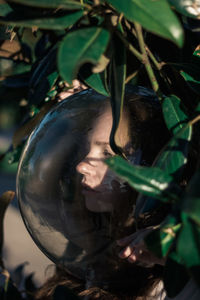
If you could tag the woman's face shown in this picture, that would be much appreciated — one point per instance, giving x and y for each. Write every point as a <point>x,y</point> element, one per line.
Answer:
<point>100,186</point>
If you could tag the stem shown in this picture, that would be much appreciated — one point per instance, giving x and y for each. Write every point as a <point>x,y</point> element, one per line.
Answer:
<point>131,76</point>
<point>130,47</point>
<point>146,61</point>
<point>156,63</point>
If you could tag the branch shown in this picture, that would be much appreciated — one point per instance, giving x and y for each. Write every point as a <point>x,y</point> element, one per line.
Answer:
<point>146,61</point>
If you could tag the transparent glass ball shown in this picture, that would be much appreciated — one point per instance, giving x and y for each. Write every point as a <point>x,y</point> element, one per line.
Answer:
<point>73,206</point>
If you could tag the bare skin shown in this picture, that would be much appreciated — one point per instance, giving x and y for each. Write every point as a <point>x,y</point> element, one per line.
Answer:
<point>135,250</point>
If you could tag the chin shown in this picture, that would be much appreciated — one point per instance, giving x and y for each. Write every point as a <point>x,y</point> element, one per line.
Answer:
<point>98,205</point>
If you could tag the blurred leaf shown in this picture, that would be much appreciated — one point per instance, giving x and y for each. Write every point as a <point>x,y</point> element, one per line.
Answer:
<point>160,241</point>
<point>56,21</point>
<point>175,275</point>
<point>61,4</point>
<point>174,155</point>
<point>14,155</point>
<point>5,9</point>
<point>154,16</point>
<point>147,180</point>
<point>9,290</point>
<point>94,80</point>
<point>79,47</point>
<point>174,115</point>
<point>188,246</point>
<point>117,76</point>
<point>188,8</point>
<point>43,77</point>
<point>5,199</point>
<point>191,200</point>
<point>9,67</point>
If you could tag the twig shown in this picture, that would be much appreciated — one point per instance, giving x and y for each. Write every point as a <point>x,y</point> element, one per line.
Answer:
<point>130,47</point>
<point>146,61</point>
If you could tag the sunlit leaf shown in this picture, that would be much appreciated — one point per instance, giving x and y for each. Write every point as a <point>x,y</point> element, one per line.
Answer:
<point>189,8</point>
<point>79,47</point>
<point>147,180</point>
<point>160,241</point>
<point>155,16</point>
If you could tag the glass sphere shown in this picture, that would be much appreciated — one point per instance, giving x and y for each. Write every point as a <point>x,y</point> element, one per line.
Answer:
<point>73,206</point>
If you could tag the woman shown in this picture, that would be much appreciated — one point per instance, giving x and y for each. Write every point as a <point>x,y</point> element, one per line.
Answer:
<point>76,208</point>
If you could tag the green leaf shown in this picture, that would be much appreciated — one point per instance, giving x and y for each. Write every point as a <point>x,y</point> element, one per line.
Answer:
<point>174,155</point>
<point>188,8</point>
<point>191,200</point>
<point>191,72</point>
<point>188,246</point>
<point>175,275</point>
<point>61,4</point>
<point>116,85</point>
<point>155,16</point>
<point>5,9</point>
<point>161,240</point>
<point>95,81</point>
<point>173,112</point>
<point>148,180</point>
<point>79,47</point>
<point>55,21</point>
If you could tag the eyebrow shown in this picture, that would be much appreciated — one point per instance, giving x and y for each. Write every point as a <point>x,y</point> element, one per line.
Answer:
<point>101,143</point>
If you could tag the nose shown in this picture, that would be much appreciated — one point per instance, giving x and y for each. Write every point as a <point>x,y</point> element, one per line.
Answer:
<point>85,167</point>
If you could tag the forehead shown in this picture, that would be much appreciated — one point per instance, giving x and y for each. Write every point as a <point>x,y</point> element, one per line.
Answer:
<point>102,126</point>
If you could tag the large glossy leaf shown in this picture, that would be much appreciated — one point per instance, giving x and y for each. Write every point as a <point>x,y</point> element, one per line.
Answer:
<point>175,275</point>
<point>66,4</point>
<point>116,85</point>
<point>55,21</point>
<point>161,240</point>
<point>79,47</point>
<point>174,155</point>
<point>155,16</point>
<point>149,181</point>
<point>189,8</point>
<point>174,115</point>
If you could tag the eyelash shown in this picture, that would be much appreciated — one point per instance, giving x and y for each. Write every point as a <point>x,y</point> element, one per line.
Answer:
<point>107,153</point>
